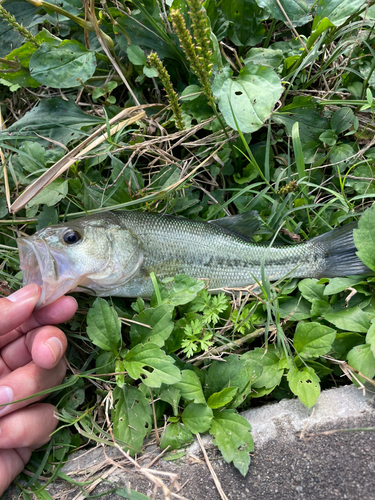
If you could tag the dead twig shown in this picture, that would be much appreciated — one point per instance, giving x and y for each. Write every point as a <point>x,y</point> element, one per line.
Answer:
<point>210,468</point>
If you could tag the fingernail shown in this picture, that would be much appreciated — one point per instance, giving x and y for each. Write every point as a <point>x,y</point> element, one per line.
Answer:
<point>55,346</point>
<point>6,396</point>
<point>24,293</point>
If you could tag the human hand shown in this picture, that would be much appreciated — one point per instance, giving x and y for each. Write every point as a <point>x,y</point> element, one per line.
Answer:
<point>31,352</point>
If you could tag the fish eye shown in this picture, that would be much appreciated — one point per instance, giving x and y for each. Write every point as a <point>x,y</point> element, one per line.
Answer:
<point>71,237</point>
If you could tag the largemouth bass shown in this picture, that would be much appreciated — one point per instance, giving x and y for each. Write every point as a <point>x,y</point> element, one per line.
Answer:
<point>113,253</point>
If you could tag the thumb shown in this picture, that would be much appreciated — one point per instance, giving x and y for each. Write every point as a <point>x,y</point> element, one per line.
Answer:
<point>16,308</point>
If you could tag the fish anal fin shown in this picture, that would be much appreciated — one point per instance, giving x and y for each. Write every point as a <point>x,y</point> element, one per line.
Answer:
<point>244,225</point>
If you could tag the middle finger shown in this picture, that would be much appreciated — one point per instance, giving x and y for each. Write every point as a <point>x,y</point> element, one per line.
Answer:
<point>45,345</point>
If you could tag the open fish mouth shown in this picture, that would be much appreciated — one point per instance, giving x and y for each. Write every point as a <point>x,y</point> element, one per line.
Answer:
<point>47,268</point>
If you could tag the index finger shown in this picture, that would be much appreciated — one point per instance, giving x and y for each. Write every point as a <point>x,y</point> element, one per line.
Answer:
<point>58,312</point>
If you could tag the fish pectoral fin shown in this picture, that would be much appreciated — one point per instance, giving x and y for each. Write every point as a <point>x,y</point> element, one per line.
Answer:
<point>244,225</point>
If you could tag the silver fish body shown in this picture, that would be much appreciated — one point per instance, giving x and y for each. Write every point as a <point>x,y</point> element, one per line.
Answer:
<point>113,253</point>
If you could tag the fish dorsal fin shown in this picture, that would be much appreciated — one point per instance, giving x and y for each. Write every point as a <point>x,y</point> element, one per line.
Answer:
<point>244,225</point>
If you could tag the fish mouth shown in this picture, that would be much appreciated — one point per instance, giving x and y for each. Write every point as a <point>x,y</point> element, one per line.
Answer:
<point>47,268</point>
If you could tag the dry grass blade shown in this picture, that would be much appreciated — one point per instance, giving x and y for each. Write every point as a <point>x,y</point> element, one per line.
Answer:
<point>213,473</point>
<point>2,157</point>
<point>78,152</point>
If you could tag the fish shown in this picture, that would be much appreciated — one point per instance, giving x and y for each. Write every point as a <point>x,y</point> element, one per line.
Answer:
<point>114,253</point>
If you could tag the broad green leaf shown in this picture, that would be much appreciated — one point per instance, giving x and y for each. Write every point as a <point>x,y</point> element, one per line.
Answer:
<point>53,118</point>
<point>296,308</point>
<point>337,11</point>
<point>132,418</point>
<point>352,319</point>
<point>264,57</point>
<point>147,34</point>
<point>22,55</point>
<point>152,365</point>
<point>362,186</point>
<point>47,217</point>
<point>312,340</point>
<point>75,396</point>
<point>311,124</point>
<point>120,372</point>
<point>245,19</point>
<point>150,72</point>
<point>222,398</point>
<point>190,93</point>
<point>104,326</point>
<point>298,12</point>
<point>9,38</point>
<point>342,120</point>
<point>320,307</point>
<point>364,238</point>
<point>62,66</point>
<point>170,394</point>
<point>370,338</point>
<point>136,55</point>
<point>337,285</point>
<point>176,436</point>
<point>340,154</point>
<point>51,194</point>
<point>31,158</point>
<point>320,369</point>
<point>310,289</point>
<point>304,384</point>
<point>190,387</point>
<point>250,98</point>
<point>3,207</point>
<point>344,342</point>
<point>319,28</point>
<point>197,417</point>
<point>362,359</point>
<point>269,360</point>
<point>229,373</point>
<point>328,137</point>
<point>232,436</point>
<point>159,318</point>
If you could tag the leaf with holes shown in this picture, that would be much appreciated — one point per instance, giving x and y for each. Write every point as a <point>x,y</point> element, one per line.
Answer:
<point>132,417</point>
<point>152,365</point>
<point>232,436</point>
<point>370,338</point>
<point>247,101</point>
<point>305,384</point>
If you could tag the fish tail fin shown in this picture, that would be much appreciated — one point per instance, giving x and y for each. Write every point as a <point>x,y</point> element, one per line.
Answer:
<point>339,252</point>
